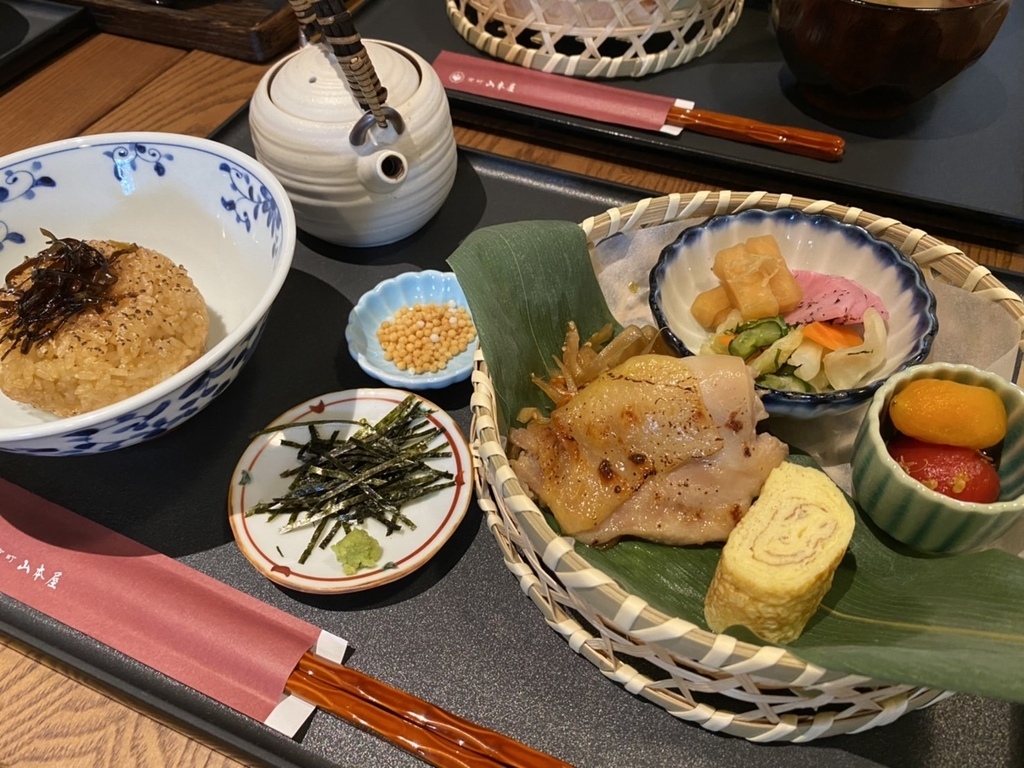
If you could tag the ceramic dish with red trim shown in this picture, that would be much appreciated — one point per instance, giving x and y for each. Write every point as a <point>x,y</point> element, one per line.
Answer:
<point>276,554</point>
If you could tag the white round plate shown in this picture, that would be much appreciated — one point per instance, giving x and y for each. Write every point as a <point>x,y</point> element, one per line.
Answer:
<point>257,477</point>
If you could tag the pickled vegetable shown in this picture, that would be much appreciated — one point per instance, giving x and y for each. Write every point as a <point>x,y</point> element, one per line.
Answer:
<point>806,359</point>
<point>784,381</point>
<point>949,413</point>
<point>750,313</point>
<point>752,337</point>
<point>832,336</point>
<point>776,355</point>
<point>852,366</point>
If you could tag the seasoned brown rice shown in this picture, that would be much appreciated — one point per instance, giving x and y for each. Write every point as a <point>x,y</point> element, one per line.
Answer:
<point>158,326</point>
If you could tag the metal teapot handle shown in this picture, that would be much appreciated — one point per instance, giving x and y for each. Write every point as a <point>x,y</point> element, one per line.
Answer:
<point>361,130</point>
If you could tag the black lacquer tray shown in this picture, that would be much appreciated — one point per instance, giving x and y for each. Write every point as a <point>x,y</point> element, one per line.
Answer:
<point>459,632</point>
<point>33,30</point>
<point>954,162</point>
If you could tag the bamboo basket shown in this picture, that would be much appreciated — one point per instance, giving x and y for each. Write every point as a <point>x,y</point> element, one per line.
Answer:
<point>595,38</point>
<point>760,693</point>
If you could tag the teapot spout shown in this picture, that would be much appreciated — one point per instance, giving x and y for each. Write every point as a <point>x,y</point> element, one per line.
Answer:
<point>382,171</point>
<point>380,167</point>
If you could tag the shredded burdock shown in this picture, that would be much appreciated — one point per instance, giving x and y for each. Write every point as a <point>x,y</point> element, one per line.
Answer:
<point>45,291</point>
<point>581,363</point>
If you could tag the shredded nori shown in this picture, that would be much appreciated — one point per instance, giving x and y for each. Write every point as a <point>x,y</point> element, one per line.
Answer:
<point>372,473</point>
<point>67,277</point>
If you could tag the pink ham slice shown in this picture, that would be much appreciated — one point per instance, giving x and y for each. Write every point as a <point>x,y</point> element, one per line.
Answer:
<point>831,298</point>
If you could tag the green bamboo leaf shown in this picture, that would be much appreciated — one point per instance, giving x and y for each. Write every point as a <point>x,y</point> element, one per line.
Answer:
<point>527,281</point>
<point>955,623</point>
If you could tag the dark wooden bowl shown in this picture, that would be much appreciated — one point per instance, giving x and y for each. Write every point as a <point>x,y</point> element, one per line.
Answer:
<point>863,59</point>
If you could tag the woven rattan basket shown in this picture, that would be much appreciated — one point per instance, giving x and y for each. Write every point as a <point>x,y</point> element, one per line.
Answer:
<point>595,38</point>
<point>758,693</point>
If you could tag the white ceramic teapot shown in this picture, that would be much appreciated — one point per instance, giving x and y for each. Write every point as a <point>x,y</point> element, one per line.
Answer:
<point>350,181</point>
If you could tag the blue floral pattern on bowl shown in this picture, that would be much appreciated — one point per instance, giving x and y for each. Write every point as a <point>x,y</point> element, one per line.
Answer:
<point>20,182</point>
<point>127,156</point>
<point>162,416</point>
<point>251,202</point>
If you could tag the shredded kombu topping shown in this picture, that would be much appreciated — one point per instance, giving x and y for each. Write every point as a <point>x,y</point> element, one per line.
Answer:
<point>67,277</point>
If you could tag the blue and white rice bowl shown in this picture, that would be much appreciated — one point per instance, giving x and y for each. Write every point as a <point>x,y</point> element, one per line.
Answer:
<point>429,286</point>
<point>814,242</point>
<point>206,206</point>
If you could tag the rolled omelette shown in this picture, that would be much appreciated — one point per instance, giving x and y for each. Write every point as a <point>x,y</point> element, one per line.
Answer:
<point>779,560</point>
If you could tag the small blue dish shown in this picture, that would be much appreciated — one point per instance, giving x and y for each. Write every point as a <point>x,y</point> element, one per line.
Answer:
<point>811,242</point>
<point>381,303</point>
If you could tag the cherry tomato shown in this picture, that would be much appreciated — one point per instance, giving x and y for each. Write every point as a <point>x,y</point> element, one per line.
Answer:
<point>961,473</point>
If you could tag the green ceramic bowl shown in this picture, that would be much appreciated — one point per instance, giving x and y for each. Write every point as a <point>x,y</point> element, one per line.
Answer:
<point>922,518</point>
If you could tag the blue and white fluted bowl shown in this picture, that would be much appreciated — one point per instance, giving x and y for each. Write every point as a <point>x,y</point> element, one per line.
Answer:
<point>814,242</point>
<point>204,205</point>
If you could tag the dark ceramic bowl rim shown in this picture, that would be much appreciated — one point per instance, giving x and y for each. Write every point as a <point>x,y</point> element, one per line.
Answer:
<point>882,8</point>
<point>924,305</point>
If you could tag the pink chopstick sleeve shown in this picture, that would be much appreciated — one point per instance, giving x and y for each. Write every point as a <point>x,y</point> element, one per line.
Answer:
<point>555,93</point>
<point>189,626</point>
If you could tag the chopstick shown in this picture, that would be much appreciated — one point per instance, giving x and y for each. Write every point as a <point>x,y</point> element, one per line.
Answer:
<point>423,729</point>
<point>797,141</point>
<point>420,742</point>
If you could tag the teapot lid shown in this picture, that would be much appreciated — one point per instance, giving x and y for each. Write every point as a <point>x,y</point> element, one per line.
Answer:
<point>310,85</point>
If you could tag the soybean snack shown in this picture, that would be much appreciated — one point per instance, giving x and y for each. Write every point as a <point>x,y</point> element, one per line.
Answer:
<point>423,338</point>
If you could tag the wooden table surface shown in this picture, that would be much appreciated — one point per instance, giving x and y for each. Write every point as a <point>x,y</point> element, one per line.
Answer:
<point>51,715</point>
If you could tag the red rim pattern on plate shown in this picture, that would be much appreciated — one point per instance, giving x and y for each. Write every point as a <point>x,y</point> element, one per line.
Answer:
<point>281,569</point>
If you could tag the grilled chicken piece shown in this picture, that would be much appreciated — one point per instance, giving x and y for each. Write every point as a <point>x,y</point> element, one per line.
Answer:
<point>661,448</point>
